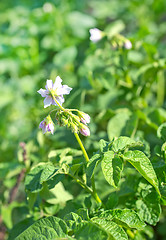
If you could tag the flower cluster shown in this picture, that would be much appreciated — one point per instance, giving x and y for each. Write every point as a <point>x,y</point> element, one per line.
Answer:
<point>53,95</point>
<point>77,123</point>
<point>117,40</point>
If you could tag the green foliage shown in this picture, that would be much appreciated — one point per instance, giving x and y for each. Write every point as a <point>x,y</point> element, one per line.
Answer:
<point>48,228</point>
<point>123,91</point>
<point>143,165</point>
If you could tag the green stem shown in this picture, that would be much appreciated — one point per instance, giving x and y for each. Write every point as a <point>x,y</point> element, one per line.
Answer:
<point>63,109</point>
<point>130,233</point>
<point>82,147</point>
<point>94,193</point>
<point>82,184</point>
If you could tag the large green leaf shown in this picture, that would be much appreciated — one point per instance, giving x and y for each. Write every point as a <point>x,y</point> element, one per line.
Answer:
<point>111,166</point>
<point>139,160</point>
<point>47,228</point>
<point>114,230</point>
<point>39,174</point>
<point>90,231</point>
<point>126,218</point>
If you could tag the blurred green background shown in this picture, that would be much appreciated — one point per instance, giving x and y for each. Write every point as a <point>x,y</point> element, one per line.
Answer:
<point>122,90</point>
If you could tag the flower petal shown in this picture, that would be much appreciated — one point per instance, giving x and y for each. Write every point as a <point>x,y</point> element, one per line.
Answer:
<point>64,90</point>
<point>95,34</point>
<point>43,92</point>
<point>47,101</point>
<point>57,83</point>
<point>51,127</point>
<point>49,84</point>
<point>42,125</point>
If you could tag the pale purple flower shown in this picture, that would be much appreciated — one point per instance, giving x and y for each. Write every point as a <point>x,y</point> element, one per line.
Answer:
<point>85,131</point>
<point>128,44</point>
<point>95,34</point>
<point>85,118</point>
<point>57,90</point>
<point>47,125</point>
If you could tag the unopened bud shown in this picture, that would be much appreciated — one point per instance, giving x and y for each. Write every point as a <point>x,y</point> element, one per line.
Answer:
<point>128,44</point>
<point>95,34</point>
<point>64,121</point>
<point>85,131</point>
<point>84,117</point>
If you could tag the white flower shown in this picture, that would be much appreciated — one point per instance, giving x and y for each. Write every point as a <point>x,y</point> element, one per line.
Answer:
<point>128,44</point>
<point>56,90</point>
<point>95,34</point>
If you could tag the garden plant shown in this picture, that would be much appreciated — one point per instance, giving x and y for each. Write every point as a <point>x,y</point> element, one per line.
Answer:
<point>83,120</point>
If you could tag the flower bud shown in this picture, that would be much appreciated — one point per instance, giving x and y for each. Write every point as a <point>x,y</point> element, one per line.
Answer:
<point>47,125</point>
<point>95,34</point>
<point>85,131</point>
<point>128,44</point>
<point>64,121</point>
<point>84,117</point>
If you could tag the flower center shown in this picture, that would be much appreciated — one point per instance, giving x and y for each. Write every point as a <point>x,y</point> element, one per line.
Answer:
<point>54,92</point>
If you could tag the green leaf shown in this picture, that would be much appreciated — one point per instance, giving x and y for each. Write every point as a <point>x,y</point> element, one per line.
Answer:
<point>55,195</point>
<point>112,200</point>
<point>123,123</point>
<point>20,227</point>
<point>92,164</point>
<point>47,228</point>
<point>148,204</point>
<point>9,169</point>
<point>126,218</point>
<point>111,166</point>
<point>72,220</point>
<point>88,202</point>
<point>90,231</point>
<point>104,145</point>
<point>135,56</point>
<point>139,160</point>
<point>80,23</point>
<point>39,174</point>
<point>114,28</point>
<point>66,56</point>
<point>112,228</point>
<point>161,132</point>
<point>83,213</point>
<point>122,143</point>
